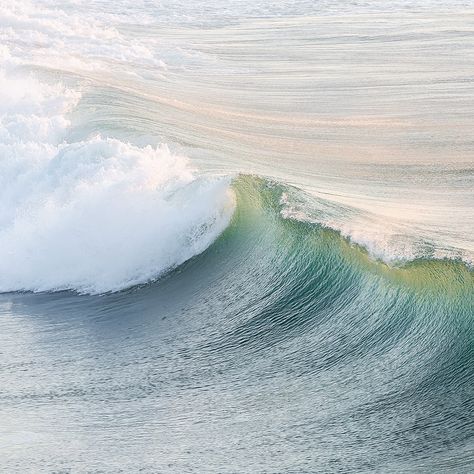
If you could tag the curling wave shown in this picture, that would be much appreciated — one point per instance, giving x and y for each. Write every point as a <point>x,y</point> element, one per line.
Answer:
<point>314,300</point>
<point>95,215</point>
<point>281,333</point>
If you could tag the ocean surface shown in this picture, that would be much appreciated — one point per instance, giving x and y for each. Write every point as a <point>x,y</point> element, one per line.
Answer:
<point>237,237</point>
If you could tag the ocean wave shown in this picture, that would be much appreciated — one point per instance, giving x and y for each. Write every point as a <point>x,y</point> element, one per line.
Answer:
<point>96,215</point>
<point>304,305</point>
<point>281,326</point>
<point>394,242</point>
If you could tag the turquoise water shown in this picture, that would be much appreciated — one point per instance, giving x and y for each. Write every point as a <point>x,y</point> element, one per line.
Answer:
<point>236,238</point>
<point>281,348</point>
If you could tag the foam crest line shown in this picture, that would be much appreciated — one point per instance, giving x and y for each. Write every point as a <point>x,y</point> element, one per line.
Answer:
<point>97,215</point>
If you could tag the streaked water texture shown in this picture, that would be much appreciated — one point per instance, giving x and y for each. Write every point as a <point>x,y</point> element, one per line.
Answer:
<point>237,237</point>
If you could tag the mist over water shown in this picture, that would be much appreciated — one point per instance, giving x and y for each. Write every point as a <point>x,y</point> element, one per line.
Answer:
<point>236,237</point>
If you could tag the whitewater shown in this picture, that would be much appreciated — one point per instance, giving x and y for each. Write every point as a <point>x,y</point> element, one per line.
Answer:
<point>236,238</point>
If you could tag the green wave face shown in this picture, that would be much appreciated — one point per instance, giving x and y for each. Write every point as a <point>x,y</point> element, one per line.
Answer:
<point>377,356</point>
<point>282,338</point>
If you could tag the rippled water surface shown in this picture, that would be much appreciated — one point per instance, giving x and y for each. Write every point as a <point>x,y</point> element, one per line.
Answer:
<point>237,237</point>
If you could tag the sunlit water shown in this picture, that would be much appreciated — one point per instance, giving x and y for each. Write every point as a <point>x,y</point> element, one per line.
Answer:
<point>136,135</point>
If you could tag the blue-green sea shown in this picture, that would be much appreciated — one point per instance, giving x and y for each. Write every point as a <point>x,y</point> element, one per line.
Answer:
<point>236,237</point>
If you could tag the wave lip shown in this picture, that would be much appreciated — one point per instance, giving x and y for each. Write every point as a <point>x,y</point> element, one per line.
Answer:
<point>393,241</point>
<point>103,215</point>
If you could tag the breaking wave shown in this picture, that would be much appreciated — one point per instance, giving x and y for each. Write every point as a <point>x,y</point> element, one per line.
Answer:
<point>95,215</point>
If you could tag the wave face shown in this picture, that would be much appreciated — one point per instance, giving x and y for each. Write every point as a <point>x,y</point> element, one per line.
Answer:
<point>281,348</point>
<point>236,238</point>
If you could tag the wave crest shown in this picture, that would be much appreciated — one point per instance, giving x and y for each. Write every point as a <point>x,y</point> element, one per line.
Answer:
<point>97,215</point>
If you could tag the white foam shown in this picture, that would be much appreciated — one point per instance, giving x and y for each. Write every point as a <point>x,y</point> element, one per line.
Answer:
<point>97,215</point>
<point>57,36</point>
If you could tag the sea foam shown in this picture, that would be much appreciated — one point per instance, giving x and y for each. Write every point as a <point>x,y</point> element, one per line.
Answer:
<point>96,215</point>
